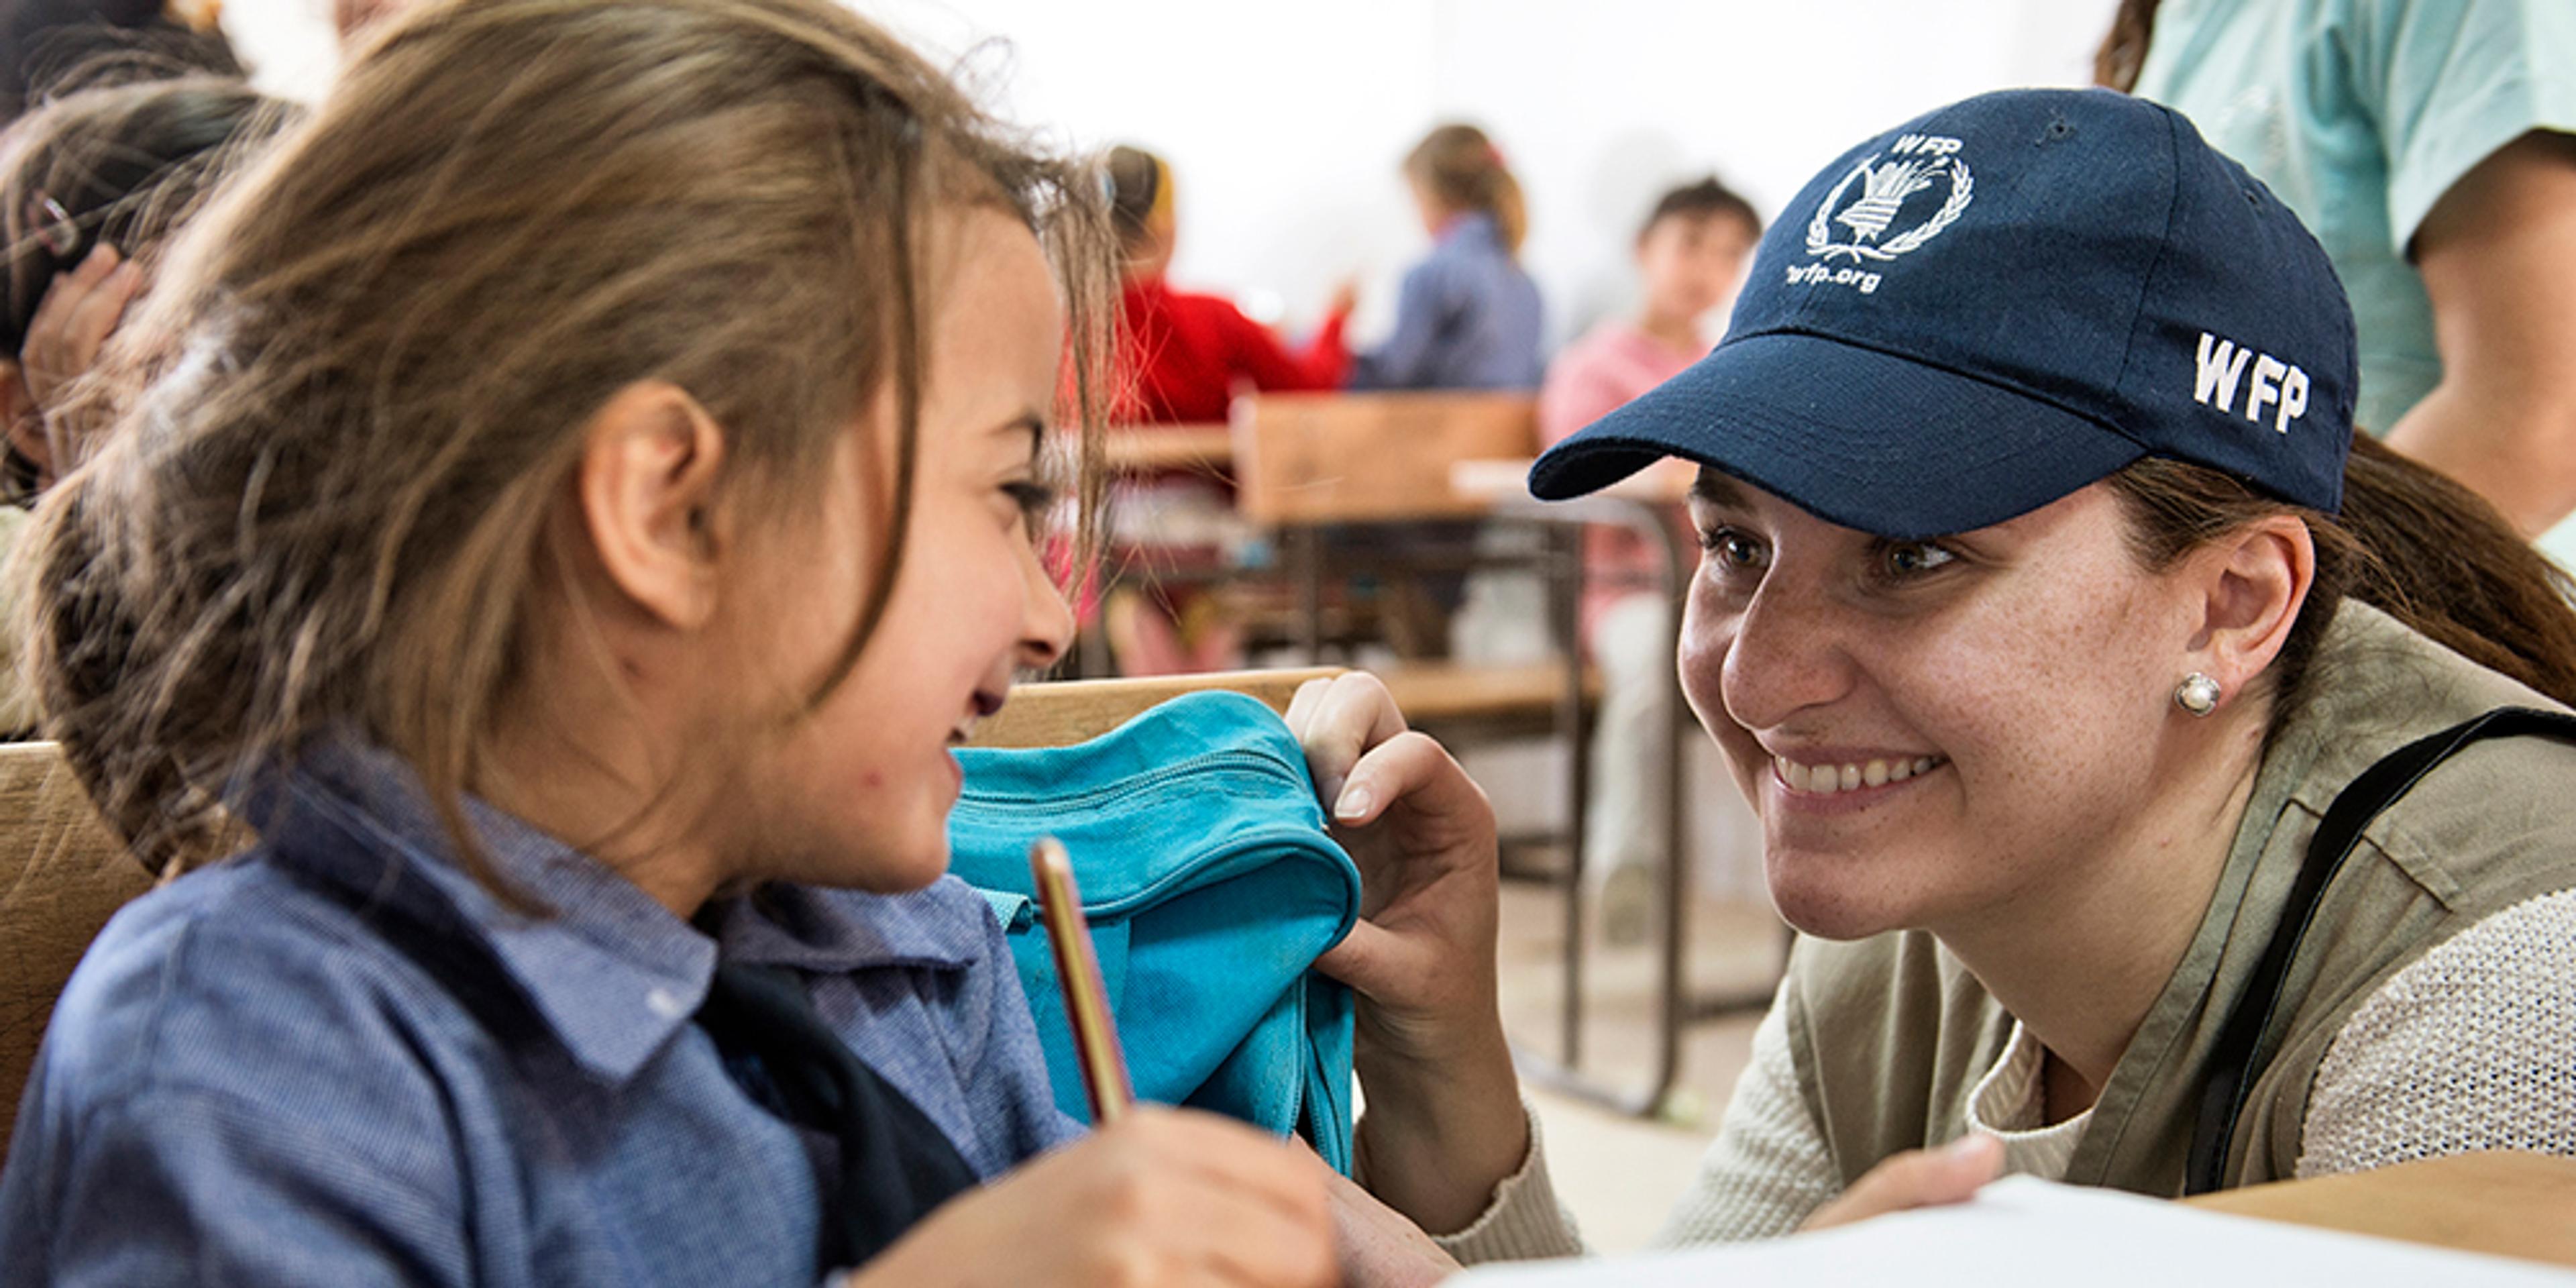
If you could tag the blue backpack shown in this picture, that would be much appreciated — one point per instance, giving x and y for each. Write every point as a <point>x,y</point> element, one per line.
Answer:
<point>1210,887</point>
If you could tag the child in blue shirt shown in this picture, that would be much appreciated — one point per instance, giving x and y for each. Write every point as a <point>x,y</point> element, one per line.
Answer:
<point>1468,316</point>
<point>567,502</point>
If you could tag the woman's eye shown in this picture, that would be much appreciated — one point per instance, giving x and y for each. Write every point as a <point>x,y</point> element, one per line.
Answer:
<point>1734,550</point>
<point>1914,558</point>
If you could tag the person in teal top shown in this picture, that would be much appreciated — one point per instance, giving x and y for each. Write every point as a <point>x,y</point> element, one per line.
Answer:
<point>2428,144</point>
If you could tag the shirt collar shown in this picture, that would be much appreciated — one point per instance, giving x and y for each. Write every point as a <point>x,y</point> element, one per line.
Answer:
<point>612,972</point>
<point>945,926</point>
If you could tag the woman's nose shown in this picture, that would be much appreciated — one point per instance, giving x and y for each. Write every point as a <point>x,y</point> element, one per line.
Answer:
<point>1771,657</point>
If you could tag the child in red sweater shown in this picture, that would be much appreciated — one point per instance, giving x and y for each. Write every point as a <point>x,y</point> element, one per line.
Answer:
<point>1185,355</point>
<point>1182,359</point>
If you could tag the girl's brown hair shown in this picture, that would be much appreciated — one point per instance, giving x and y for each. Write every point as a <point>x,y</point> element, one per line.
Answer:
<point>1464,172</point>
<point>2123,52</point>
<point>325,505</point>
<point>2409,542</point>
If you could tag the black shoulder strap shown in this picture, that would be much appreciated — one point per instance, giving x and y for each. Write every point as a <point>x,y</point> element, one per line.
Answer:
<point>2240,1060</point>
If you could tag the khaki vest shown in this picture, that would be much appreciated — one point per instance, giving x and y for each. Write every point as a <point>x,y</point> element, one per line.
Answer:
<point>1891,1033</point>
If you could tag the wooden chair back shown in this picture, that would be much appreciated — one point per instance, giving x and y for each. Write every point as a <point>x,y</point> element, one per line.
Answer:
<point>62,874</point>
<point>1358,458</point>
<point>1069,711</point>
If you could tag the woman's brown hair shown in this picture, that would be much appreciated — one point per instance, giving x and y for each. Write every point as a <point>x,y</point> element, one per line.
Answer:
<point>324,505</point>
<point>2409,542</point>
<point>2123,52</point>
<point>1464,172</point>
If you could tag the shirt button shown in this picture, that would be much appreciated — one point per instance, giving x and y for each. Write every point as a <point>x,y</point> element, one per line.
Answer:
<point>665,1003</point>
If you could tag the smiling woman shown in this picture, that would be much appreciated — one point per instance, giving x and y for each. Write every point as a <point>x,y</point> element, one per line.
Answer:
<point>2073,667</point>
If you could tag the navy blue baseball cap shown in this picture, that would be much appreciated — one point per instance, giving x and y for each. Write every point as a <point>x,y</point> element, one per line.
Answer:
<point>1997,303</point>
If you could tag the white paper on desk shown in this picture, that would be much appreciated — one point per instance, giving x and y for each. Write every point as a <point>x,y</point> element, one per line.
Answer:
<point>2025,1231</point>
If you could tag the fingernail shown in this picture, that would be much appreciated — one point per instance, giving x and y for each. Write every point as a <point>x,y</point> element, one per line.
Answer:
<point>1354,804</point>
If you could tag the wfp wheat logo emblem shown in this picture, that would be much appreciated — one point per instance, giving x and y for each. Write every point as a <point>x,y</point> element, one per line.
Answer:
<point>1916,162</point>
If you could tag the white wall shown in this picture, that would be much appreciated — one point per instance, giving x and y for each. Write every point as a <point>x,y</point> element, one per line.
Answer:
<point>1285,122</point>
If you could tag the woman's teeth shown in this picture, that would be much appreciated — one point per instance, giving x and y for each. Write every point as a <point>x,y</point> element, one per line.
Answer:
<point>1825,780</point>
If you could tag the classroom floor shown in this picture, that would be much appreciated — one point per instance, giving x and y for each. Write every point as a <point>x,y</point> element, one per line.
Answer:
<point>1618,1172</point>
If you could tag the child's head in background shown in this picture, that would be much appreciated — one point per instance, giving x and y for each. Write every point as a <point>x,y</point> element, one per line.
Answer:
<point>1692,249</point>
<point>1456,170</point>
<point>1140,205</point>
<point>624,411</point>
<point>118,166</point>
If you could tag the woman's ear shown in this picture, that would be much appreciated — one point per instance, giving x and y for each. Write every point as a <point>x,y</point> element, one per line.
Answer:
<point>650,463</point>
<point>2252,584</point>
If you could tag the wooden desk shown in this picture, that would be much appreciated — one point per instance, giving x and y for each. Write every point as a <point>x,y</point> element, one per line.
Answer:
<point>2504,1203</point>
<point>1148,449</point>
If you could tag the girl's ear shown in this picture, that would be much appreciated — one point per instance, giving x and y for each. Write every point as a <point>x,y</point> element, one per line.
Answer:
<point>650,462</point>
<point>2251,586</point>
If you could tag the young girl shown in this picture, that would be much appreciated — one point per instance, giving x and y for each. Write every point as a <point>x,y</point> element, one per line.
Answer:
<point>2049,606</point>
<point>582,492</point>
<point>91,184</point>
<point>1468,317</point>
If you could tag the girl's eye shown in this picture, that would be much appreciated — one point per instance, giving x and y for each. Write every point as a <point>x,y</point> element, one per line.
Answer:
<point>1907,559</point>
<point>1035,499</point>
<point>1734,550</point>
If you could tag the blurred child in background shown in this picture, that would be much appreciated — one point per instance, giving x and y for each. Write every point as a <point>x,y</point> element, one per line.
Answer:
<point>1185,355</point>
<point>1182,358</point>
<point>91,184</point>
<point>1468,316</point>
<point>1690,258</point>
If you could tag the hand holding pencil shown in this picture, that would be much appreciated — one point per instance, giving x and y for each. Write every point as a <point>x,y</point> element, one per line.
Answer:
<point>1153,1196</point>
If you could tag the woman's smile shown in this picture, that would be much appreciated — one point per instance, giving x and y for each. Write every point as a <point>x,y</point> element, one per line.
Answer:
<point>1837,784</point>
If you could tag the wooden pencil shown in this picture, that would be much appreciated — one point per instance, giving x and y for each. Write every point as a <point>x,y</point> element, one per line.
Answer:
<point>1086,995</point>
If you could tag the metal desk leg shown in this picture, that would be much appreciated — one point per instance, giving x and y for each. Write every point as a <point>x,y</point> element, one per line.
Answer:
<point>1675,1007</point>
<point>1565,566</point>
<point>1306,553</point>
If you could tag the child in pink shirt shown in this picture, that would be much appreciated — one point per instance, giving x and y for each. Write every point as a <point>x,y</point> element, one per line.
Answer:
<point>1690,257</point>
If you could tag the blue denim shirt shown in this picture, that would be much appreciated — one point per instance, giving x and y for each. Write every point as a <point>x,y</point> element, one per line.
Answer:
<point>1467,317</point>
<point>251,1081</point>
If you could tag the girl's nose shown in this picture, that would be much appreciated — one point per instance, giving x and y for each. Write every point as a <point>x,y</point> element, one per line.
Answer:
<point>1046,620</point>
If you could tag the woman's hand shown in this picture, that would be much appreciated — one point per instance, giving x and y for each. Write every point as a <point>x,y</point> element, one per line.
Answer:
<point>1163,1197</point>
<point>1917,1178</point>
<point>1422,833</point>
<point>1379,1248</point>
<point>1444,1122</point>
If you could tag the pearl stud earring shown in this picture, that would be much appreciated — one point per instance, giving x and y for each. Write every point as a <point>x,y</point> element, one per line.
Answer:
<point>2197,694</point>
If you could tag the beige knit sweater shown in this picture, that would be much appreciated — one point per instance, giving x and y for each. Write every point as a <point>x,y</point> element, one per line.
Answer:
<point>2471,1047</point>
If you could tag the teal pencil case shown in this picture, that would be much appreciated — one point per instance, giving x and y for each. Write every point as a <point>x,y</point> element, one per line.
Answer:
<point>1210,886</point>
